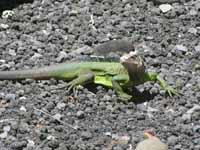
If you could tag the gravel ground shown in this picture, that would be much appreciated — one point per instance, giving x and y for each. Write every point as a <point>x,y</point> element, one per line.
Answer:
<point>44,32</point>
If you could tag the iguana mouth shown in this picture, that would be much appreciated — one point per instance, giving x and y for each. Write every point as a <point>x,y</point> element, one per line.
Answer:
<point>134,64</point>
<point>132,57</point>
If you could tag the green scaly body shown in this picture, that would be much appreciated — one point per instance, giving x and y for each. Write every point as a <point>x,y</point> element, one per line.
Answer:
<point>110,74</point>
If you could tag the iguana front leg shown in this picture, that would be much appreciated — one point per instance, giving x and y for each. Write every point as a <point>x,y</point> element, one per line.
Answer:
<point>117,82</point>
<point>151,76</point>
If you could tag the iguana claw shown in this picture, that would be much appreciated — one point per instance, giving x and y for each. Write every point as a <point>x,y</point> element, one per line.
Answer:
<point>170,91</point>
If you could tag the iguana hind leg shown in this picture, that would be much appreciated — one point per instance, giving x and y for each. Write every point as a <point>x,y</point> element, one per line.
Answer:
<point>83,78</point>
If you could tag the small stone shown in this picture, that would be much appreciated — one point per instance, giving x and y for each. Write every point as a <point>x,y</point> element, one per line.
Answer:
<point>193,12</point>
<point>6,128</point>
<point>197,6</point>
<point>177,147</point>
<point>197,147</point>
<point>186,117</point>
<point>3,135</point>
<point>50,137</point>
<point>108,133</point>
<point>36,56</point>
<point>31,143</point>
<point>106,98</point>
<point>22,98</point>
<point>193,109</point>
<point>20,92</point>
<point>2,61</point>
<point>4,26</point>
<point>181,48</point>
<point>151,109</point>
<point>196,128</point>
<point>22,108</point>
<point>2,110</point>
<point>80,114</point>
<point>142,107</point>
<point>197,67</point>
<point>12,52</point>
<point>61,56</point>
<point>197,48</point>
<point>50,106</point>
<point>7,13</point>
<point>82,50</point>
<point>165,7</point>
<point>73,13</point>
<point>123,140</point>
<point>192,30</point>
<point>149,38</point>
<point>18,145</point>
<point>61,105</point>
<point>172,140</point>
<point>57,116</point>
<point>10,97</point>
<point>86,135</point>
<point>88,110</point>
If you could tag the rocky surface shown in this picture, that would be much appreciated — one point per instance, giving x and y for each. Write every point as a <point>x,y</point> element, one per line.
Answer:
<point>44,32</point>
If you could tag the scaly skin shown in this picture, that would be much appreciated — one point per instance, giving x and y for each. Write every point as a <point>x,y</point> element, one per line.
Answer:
<point>119,76</point>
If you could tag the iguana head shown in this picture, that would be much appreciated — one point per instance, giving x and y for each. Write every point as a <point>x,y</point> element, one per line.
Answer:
<point>134,65</point>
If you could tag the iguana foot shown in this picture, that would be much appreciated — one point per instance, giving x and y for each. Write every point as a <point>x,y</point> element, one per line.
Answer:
<point>170,91</point>
<point>124,97</point>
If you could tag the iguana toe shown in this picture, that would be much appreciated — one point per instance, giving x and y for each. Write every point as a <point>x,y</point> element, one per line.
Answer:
<point>124,97</point>
<point>171,91</point>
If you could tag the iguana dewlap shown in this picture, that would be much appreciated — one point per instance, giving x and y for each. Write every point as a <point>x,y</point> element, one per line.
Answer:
<point>151,143</point>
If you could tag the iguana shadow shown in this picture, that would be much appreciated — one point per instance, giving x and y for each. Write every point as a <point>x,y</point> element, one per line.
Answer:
<point>10,4</point>
<point>138,97</point>
<point>141,97</point>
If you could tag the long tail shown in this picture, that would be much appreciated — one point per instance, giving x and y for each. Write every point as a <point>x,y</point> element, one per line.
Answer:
<point>41,73</point>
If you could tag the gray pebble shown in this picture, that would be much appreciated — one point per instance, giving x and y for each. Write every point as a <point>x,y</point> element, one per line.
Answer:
<point>10,97</point>
<point>193,12</point>
<point>197,147</point>
<point>18,145</point>
<point>61,105</point>
<point>3,135</point>
<point>186,117</point>
<point>196,128</point>
<point>57,116</point>
<point>50,106</point>
<point>192,30</point>
<point>36,56</point>
<point>73,13</point>
<point>86,135</point>
<point>172,140</point>
<point>181,48</point>
<point>197,48</point>
<point>61,56</point>
<point>142,107</point>
<point>4,26</point>
<point>165,7</point>
<point>12,52</point>
<point>177,147</point>
<point>80,114</point>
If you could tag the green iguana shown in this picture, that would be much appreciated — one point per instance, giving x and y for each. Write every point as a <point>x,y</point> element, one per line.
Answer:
<point>120,76</point>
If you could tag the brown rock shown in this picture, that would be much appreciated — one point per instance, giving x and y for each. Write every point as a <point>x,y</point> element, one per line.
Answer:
<point>152,143</point>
